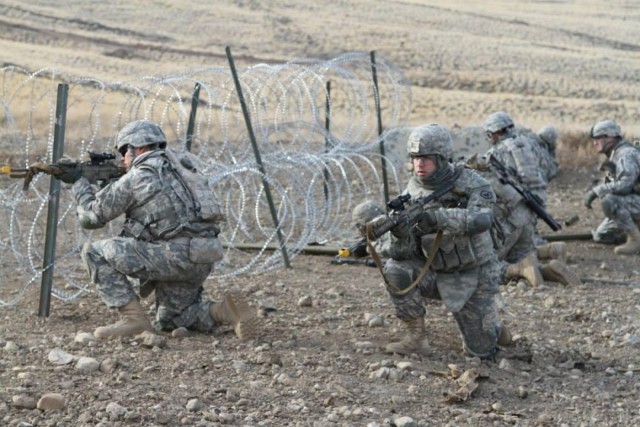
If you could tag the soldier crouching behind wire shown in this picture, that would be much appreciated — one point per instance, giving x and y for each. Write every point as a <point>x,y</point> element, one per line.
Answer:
<point>158,245</point>
<point>463,272</point>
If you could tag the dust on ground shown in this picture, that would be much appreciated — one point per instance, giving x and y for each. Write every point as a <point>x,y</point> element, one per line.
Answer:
<point>319,361</point>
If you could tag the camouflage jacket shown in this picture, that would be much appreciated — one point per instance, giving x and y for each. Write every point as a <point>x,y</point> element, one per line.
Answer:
<point>521,155</point>
<point>151,197</point>
<point>624,173</point>
<point>455,211</point>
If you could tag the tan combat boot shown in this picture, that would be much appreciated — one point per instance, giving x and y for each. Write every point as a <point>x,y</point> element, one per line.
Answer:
<point>632,246</point>
<point>527,268</point>
<point>556,271</point>
<point>133,322</point>
<point>554,250</point>
<point>234,311</point>
<point>414,342</point>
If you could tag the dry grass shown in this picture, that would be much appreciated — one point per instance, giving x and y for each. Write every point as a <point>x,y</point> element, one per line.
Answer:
<point>565,63</point>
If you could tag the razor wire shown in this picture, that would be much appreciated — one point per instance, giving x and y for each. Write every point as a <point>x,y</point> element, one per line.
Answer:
<point>317,175</point>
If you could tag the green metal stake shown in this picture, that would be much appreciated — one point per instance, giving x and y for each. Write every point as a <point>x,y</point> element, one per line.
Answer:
<point>195,99</point>
<point>54,201</point>
<point>327,126</point>
<point>256,152</point>
<point>376,96</point>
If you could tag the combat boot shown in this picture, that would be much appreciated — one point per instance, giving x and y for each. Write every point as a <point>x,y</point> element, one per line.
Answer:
<point>632,246</point>
<point>234,311</point>
<point>554,250</point>
<point>527,268</point>
<point>133,322</point>
<point>556,271</point>
<point>414,342</point>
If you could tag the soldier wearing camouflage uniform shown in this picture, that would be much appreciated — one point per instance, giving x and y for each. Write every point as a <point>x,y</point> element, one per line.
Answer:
<point>547,138</point>
<point>158,244</point>
<point>464,272</point>
<point>514,228</point>
<point>517,154</point>
<point>620,193</point>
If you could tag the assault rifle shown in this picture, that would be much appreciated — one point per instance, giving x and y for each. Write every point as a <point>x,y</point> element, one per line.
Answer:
<point>532,201</point>
<point>99,169</point>
<point>400,214</point>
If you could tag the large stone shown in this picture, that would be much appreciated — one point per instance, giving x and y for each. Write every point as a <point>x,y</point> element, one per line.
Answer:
<point>51,402</point>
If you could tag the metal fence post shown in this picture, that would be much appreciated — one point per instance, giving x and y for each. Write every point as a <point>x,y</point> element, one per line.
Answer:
<point>256,152</point>
<point>54,201</point>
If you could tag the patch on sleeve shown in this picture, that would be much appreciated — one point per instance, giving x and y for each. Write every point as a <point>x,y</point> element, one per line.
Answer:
<point>486,194</point>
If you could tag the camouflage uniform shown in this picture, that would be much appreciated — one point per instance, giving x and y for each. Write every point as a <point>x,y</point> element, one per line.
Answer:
<point>546,139</point>
<point>620,193</point>
<point>157,245</point>
<point>464,272</point>
<point>516,229</point>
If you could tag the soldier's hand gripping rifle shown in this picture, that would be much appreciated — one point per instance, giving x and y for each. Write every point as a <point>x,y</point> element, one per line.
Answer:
<point>532,201</point>
<point>400,215</point>
<point>99,169</point>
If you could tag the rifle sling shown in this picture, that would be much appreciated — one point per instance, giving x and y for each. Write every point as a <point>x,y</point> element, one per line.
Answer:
<point>401,292</point>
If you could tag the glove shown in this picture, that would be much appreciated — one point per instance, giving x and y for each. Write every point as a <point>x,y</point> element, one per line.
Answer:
<point>589,198</point>
<point>426,222</point>
<point>400,231</point>
<point>69,173</point>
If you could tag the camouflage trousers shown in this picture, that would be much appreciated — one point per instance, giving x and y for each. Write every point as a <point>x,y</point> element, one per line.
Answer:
<point>622,215</point>
<point>178,281</point>
<point>474,291</point>
<point>517,242</point>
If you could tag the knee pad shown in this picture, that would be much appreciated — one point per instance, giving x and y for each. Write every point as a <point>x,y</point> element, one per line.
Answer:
<point>398,278</point>
<point>608,206</point>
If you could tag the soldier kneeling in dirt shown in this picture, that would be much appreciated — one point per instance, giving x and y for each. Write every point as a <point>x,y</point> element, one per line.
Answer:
<point>620,193</point>
<point>166,242</point>
<point>448,254</point>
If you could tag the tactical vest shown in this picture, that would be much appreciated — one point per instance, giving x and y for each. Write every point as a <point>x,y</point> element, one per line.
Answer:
<point>201,201</point>
<point>455,252</point>
<point>526,162</point>
<point>167,209</point>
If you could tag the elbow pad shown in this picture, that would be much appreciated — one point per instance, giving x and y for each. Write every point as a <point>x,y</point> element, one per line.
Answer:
<point>88,219</point>
<point>479,223</point>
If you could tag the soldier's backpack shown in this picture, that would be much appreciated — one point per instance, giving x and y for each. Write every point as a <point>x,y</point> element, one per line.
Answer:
<point>204,204</point>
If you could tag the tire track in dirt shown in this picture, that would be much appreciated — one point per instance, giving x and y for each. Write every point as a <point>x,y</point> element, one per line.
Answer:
<point>595,40</point>
<point>32,34</point>
<point>81,24</point>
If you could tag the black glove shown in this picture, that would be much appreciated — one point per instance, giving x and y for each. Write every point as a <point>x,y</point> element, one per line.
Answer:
<point>426,222</point>
<point>589,198</point>
<point>69,173</point>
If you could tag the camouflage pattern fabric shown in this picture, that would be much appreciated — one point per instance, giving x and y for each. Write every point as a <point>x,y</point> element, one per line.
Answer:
<point>157,247</point>
<point>514,223</point>
<point>609,233</point>
<point>520,154</point>
<point>477,317</point>
<point>546,158</point>
<point>620,193</point>
<point>465,273</point>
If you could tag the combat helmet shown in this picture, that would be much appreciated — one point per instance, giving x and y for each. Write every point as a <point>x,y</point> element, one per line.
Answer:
<point>498,121</point>
<point>365,212</point>
<point>432,139</point>
<point>548,134</point>
<point>606,128</point>
<point>140,133</point>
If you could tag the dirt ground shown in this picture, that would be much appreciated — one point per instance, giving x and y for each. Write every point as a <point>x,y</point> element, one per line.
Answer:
<point>319,361</point>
